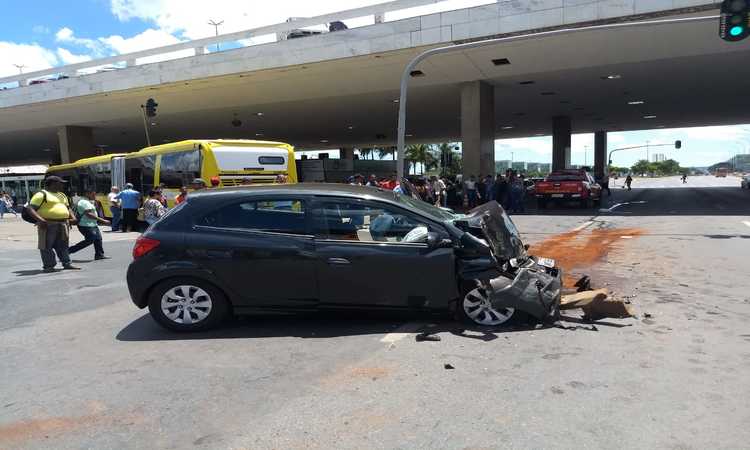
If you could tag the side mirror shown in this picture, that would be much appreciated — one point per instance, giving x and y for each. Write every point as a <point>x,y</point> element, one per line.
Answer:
<point>435,241</point>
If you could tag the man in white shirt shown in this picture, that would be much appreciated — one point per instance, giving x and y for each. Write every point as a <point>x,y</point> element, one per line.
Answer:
<point>114,206</point>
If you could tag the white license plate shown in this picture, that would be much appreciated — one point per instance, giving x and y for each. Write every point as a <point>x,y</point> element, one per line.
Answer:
<point>547,262</point>
<point>557,196</point>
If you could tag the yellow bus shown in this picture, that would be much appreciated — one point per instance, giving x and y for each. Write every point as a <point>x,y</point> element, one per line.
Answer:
<point>219,162</point>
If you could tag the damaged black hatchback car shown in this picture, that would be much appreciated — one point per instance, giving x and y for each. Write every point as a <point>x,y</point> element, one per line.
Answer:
<point>302,247</point>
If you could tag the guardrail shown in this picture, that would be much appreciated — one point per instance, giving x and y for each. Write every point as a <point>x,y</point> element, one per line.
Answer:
<point>199,45</point>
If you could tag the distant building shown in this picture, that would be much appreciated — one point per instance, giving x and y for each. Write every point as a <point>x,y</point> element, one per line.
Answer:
<point>658,157</point>
<point>519,165</point>
<point>502,166</point>
<point>545,167</point>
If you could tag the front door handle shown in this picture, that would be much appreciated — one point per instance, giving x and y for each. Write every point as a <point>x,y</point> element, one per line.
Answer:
<point>338,261</point>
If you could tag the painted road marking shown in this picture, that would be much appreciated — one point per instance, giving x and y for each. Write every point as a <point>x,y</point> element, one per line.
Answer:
<point>746,222</point>
<point>583,226</point>
<point>626,237</point>
<point>402,332</point>
<point>617,205</point>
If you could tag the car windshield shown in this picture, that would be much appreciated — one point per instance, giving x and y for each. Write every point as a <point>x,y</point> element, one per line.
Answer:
<point>426,208</point>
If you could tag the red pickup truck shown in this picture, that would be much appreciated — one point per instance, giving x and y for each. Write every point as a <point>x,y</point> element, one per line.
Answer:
<point>569,185</point>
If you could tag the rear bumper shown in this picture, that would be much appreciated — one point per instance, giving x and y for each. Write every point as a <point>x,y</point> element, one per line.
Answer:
<point>562,196</point>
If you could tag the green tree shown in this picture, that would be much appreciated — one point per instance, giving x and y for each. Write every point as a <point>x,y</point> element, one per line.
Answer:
<point>446,153</point>
<point>641,167</point>
<point>421,154</point>
<point>365,152</point>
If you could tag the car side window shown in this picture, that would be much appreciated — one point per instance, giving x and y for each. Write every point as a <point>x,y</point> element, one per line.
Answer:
<point>275,216</point>
<point>350,220</point>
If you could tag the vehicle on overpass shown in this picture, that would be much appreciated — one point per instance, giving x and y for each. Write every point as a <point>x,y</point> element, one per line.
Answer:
<point>306,247</point>
<point>218,162</point>
<point>568,185</point>
<point>722,172</point>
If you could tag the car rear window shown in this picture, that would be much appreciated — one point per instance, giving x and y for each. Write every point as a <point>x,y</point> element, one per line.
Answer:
<point>562,176</point>
<point>275,216</point>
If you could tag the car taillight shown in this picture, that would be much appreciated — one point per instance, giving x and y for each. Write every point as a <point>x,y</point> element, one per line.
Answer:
<point>580,188</point>
<point>144,245</point>
<point>215,181</point>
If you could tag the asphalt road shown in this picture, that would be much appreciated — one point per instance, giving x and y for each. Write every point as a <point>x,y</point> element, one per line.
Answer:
<point>83,368</point>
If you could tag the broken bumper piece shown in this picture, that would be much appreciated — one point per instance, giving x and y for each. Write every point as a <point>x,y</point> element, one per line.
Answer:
<point>535,290</point>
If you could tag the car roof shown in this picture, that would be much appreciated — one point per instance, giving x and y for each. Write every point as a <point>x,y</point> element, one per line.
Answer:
<point>318,189</point>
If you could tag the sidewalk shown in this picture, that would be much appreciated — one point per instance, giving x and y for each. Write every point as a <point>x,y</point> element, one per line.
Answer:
<point>17,234</point>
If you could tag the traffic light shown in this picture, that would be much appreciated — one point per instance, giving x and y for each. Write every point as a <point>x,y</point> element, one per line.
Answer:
<point>678,144</point>
<point>151,107</point>
<point>734,22</point>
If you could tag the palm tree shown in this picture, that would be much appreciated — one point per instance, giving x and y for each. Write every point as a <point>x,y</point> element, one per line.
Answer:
<point>448,158</point>
<point>423,154</point>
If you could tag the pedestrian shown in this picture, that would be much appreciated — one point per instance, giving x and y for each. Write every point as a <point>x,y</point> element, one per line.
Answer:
<point>88,226</point>
<point>198,184</point>
<point>684,178</point>
<point>153,209</point>
<point>628,182</point>
<point>517,193</point>
<point>489,183</point>
<point>114,207</point>
<point>501,191</point>
<point>373,181</point>
<point>162,197</point>
<point>390,183</point>
<point>604,183</point>
<point>182,196</point>
<point>280,179</point>
<point>130,201</point>
<point>472,195</point>
<point>6,204</point>
<point>50,208</point>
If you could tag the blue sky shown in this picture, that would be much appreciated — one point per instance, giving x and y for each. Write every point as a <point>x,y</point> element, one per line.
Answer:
<point>53,33</point>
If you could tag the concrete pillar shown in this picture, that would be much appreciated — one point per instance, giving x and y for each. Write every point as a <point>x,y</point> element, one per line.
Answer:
<point>600,153</point>
<point>75,143</point>
<point>561,132</point>
<point>478,128</point>
<point>347,153</point>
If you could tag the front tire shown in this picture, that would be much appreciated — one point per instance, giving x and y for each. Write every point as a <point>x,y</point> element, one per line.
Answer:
<point>187,304</point>
<point>475,308</point>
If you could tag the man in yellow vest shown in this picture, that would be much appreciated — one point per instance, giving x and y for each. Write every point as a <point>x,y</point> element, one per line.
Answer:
<point>51,210</point>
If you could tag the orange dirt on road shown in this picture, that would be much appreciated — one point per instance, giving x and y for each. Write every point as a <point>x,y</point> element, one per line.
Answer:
<point>577,251</point>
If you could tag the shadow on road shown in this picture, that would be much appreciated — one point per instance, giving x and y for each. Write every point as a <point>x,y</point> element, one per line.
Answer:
<point>329,325</point>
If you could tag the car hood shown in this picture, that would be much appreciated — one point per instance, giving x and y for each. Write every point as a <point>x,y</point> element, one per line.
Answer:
<point>499,231</point>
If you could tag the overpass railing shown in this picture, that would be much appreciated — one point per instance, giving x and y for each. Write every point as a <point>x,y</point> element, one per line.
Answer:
<point>246,38</point>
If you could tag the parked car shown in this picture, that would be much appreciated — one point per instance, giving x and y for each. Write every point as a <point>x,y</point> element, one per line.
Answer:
<point>571,185</point>
<point>303,247</point>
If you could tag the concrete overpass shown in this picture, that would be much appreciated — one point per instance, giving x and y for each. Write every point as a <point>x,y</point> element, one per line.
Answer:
<point>338,90</point>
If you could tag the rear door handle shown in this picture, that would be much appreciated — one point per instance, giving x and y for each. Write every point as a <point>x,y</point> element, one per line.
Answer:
<point>338,261</point>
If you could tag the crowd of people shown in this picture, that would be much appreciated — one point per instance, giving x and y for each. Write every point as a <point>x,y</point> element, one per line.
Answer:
<point>508,189</point>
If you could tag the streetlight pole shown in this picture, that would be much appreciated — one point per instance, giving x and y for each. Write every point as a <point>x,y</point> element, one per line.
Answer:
<point>216,26</point>
<point>20,68</point>
<point>406,75</point>
<point>647,149</point>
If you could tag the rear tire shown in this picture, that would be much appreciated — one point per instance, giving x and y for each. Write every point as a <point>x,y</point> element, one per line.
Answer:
<point>541,203</point>
<point>187,304</point>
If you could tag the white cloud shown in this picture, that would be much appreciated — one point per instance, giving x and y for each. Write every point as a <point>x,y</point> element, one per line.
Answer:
<point>68,57</point>
<point>150,38</point>
<point>40,29</point>
<point>31,56</point>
